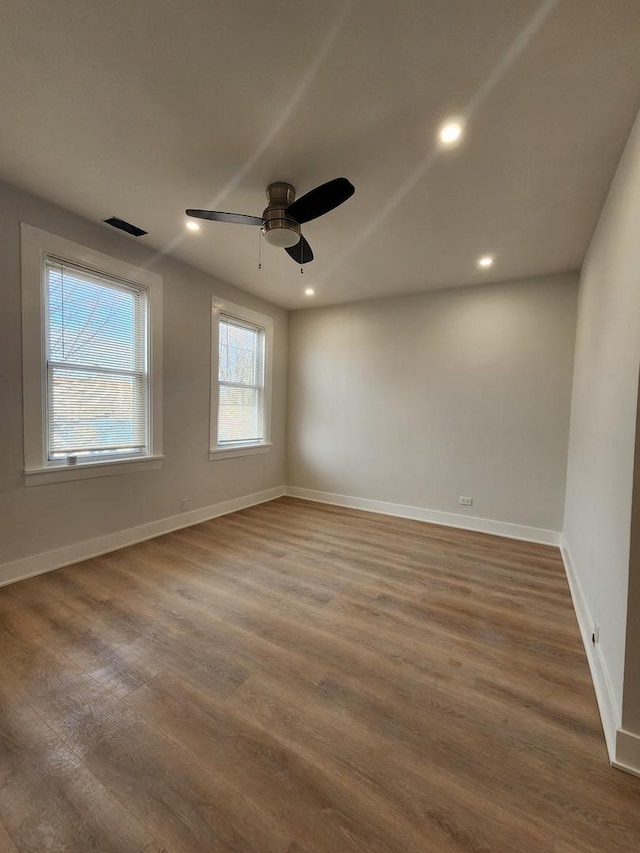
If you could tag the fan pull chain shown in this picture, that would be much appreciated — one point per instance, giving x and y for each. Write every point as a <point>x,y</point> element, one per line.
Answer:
<point>260,249</point>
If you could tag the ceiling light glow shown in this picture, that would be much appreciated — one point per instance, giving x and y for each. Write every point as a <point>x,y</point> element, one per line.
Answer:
<point>485,261</point>
<point>192,226</point>
<point>309,291</point>
<point>450,132</point>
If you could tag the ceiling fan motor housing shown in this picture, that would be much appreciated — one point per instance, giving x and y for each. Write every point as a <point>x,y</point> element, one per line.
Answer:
<point>277,228</point>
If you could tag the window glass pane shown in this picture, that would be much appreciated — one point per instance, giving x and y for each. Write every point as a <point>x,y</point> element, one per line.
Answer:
<point>240,351</point>
<point>240,415</point>
<point>91,411</point>
<point>93,323</point>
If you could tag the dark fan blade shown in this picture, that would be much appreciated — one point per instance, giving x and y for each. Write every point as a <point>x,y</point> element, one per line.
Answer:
<point>301,252</point>
<point>321,200</point>
<point>219,216</point>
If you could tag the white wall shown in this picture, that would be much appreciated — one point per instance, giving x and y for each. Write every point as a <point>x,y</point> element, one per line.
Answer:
<point>41,518</point>
<point>421,399</point>
<point>601,448</point>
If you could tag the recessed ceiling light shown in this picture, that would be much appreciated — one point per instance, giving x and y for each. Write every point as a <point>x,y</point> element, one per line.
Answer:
<point>309,291</point>
<point>485,261</point>
<point>450,132</point>
<point>190,225</point>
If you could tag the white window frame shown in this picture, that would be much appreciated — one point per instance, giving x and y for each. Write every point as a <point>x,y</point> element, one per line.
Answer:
<point>36,245</point>
<point>220,307</point>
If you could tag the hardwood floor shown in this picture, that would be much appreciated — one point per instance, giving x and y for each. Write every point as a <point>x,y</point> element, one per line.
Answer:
<point>297,678</point>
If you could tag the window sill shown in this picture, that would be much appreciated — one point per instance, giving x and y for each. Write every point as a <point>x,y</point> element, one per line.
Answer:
<point>88,470</point>
<point>237,450</point>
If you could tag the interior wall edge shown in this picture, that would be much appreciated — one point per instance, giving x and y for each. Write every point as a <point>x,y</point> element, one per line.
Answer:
<point>627,756</point>
<point>433,516</point>
<point>47,561</point>
<point>603,687</point>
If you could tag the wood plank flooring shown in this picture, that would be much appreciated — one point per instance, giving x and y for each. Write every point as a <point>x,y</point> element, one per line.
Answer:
<point>300,678</point>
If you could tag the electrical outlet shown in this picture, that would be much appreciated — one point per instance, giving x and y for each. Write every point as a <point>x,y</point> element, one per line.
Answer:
<point>184,504</point>
<point>595,634</point>
<point>465,501</point>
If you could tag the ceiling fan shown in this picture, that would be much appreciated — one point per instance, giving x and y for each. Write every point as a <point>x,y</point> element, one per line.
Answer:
<point>283,215</point>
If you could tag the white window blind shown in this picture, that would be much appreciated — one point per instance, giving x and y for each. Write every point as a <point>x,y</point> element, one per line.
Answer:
<point>97,364</point>
<point>241,382</point>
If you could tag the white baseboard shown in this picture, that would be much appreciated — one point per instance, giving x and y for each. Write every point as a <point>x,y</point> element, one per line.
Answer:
<point>46,562</point>
<point>448,519</point>
<point>49,560</point>
<point>607,705</point>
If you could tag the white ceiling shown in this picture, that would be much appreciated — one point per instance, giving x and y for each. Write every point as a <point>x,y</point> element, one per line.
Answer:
<point>141,109</point>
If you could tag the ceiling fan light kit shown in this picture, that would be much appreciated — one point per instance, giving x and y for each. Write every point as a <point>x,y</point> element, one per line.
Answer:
<point>281,219</point>
<point>279,229</point>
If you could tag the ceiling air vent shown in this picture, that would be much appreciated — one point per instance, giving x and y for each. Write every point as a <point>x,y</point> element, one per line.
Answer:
<point>125,226</point>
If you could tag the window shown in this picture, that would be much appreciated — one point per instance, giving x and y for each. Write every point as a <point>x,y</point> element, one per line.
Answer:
<point>97,382</point>
<point>91,350</point>
<point>241,381</point>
